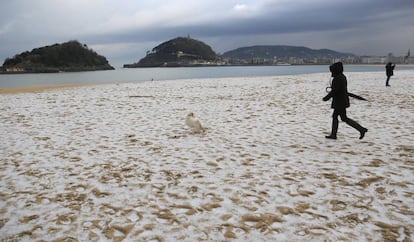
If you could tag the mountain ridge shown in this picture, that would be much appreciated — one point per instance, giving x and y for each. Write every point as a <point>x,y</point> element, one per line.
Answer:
<point>185,51</point>
<point>282,52</point>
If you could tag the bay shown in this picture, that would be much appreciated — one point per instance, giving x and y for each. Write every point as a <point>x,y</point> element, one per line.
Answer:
<point>156,74</point>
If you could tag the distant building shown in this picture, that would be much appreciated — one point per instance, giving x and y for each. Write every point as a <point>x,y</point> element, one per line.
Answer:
<point>373,59</point>
<point>14,69</point>
<point>408,59</point>
<point>324,60</point>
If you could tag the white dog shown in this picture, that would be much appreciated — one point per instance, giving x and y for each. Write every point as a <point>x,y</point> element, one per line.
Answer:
<point>195,125</point>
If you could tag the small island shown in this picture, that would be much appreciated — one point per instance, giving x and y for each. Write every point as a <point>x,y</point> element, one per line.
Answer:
<point>70,56</point>
<point>179,52</point>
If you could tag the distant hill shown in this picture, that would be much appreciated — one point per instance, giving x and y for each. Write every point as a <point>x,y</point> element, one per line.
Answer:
<point>69,56</point>
<point>281,52</point>
<point>181,51</point>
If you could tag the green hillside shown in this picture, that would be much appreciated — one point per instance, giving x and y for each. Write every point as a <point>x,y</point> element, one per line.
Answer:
<point>282,51</point>
<point>180,51</point>
<point>69,56</point>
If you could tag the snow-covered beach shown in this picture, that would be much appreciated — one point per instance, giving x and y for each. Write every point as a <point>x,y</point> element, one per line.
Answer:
<point>117,163</point>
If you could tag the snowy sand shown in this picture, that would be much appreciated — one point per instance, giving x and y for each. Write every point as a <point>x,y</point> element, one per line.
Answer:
<point>116,162</point>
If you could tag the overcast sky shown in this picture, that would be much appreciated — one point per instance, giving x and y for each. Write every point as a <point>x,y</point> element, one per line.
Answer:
<point>123,30</point>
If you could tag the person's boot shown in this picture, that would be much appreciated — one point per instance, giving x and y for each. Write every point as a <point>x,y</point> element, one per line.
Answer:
<point>335,123</point>
<point>362,133</point>
<point>330,137</point>
<point>358,127</point>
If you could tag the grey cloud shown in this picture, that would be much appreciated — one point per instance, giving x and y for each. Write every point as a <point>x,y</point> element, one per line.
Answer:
<point>338,24</point>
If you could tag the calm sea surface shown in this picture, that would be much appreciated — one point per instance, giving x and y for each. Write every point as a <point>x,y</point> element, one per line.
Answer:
<point>156,74</point>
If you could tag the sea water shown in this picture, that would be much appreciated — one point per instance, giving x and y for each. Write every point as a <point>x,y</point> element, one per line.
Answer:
<point>123,75</point>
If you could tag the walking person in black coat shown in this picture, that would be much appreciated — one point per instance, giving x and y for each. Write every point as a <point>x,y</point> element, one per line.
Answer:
<point>389,69</point>
<point>340,101</point>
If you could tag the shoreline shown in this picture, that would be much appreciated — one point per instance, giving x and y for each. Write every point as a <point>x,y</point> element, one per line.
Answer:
<point>41,88</point>
<point>19,82</point>
<point>32,89</point>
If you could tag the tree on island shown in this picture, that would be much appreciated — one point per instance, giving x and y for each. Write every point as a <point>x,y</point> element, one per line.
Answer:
<point>69,56</point>
<point>181,51</point>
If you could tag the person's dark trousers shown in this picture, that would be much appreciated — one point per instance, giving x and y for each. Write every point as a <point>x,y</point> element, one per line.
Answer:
<point>350,122</point>
<point>387,81</point>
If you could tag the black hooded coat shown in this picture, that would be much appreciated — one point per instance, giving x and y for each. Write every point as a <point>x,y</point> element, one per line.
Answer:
<point>389,69</point>
<point>339,92</point>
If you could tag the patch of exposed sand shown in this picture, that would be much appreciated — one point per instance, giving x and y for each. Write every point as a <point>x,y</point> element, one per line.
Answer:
<point>117,163</point>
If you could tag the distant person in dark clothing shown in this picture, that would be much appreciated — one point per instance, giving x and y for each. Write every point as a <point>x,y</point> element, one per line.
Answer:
<point>340,101</point>
<point>389,69</point>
